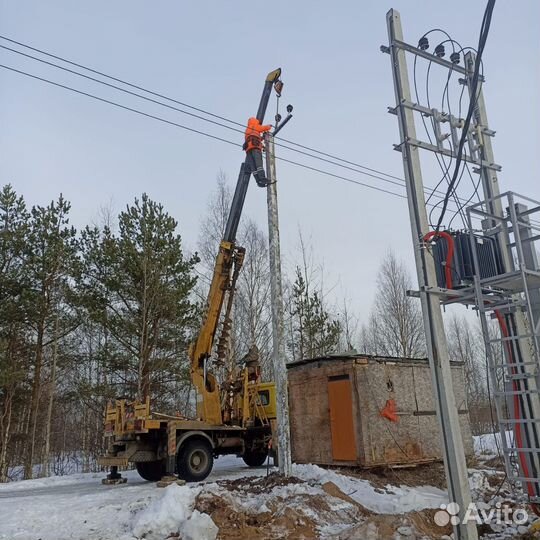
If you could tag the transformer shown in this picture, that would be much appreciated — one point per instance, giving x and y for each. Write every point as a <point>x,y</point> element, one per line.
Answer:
<point>462,268</point>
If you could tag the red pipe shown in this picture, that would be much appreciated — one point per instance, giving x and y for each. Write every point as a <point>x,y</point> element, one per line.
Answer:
<point>449,256</point>
<point>519,439</point>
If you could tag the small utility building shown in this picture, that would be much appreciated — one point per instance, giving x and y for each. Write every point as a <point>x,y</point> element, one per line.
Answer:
<point>368,411</point>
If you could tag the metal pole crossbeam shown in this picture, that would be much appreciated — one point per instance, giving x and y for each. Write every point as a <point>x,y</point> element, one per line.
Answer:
<point>452,444</point>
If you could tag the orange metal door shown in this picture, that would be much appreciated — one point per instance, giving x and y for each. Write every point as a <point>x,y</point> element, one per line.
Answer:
<point>341,419</point>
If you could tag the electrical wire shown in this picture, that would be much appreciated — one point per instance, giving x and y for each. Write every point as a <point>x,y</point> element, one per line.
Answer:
<point>446,92</point>
<point>450,143</point>
<point>176,124</point>
<point>400,184</point>
<point>476,185</point>
<point>340,177</point>
<point>460,203</point>
<point>199,132</point>
<point>444,168</point>
<point>97,72</point>
<point>377,175</point>
<point>484,31</point>
<point>114,103</point>
<point>168,98</point>
<point>461,207</point>
<point>474,193</point>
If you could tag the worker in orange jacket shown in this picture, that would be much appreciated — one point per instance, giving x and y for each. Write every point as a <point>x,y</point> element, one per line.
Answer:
<point>253,147</point>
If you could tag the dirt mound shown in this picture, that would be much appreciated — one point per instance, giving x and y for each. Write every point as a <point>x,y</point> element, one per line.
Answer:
<point>331,489</point>
<point>424,522</point>
<point>429,474</point>
<point>257,484</point>
<point>278,507</point>
<point>279,521</point>
<point>260,508</point>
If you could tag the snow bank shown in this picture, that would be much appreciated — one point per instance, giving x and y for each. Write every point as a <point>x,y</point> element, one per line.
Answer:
<point>489,444</point>
<point>173,513</point>
<point>391,500</point>
<point>199,527</point>
<point>256,503</point>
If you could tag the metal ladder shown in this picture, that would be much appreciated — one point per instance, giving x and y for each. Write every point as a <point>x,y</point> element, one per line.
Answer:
<point>513,300</point>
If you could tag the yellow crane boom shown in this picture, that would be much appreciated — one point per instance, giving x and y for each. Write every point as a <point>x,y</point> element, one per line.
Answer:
<point>228,262</point>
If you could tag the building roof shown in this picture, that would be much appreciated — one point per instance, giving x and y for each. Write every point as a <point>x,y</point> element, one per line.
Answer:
<point>370,357</point>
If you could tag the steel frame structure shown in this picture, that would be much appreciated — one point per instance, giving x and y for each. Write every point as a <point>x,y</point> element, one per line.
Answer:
<point>513,359</point>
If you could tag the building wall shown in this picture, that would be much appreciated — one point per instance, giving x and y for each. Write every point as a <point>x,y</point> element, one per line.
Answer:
<point>413,438</point>
<point>311,439</point>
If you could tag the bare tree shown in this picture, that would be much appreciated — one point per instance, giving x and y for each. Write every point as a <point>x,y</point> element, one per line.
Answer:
<point>464,346</point>
<point>349,327</point>
<point>395,326</point>
<point>214,222</point>
<point>314,328</point>
<point>251,313</point>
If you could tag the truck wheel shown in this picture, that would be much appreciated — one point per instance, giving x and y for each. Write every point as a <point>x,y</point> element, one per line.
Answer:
<point>254,459</point>
<point>195,461</point>
<point>151,470</point>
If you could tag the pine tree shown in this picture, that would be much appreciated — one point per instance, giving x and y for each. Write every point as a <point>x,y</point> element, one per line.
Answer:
<point>137,284</point>
<point>51,248</point>
<point>13,347</point>
<point>314,331</point>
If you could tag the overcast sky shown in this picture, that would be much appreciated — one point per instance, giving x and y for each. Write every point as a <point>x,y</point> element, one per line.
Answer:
<point>215,55</point>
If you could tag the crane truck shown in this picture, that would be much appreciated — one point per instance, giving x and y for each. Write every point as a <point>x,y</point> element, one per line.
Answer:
<point>235,417</point>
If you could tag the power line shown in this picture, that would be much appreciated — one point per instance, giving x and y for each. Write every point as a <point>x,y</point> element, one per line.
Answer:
<point>341,177</point>
<point>377,174</point>
<point>444,168</point>
<point>195,115</point>
<point>168,98</point>
<point>115,104</point>
<point>118,80</point>
<point>199,132</point>
<point>484,31</point>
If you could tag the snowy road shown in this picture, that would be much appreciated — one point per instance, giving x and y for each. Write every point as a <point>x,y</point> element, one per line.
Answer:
<point>66,489</point>
<point>79,507</point>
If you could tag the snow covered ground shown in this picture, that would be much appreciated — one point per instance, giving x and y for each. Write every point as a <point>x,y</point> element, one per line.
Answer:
<point>490,445</point>
<point>80,507</point>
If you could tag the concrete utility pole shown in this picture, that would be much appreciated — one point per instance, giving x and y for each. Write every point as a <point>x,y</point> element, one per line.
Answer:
<point>451,441</point>
<point>278,355</point>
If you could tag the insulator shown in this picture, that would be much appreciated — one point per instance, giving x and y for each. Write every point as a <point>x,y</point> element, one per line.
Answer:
<point>454,58</point>
<point>289,108</point>
<point>278,117</point>
<point>423,43</point>
<point>439,50</point>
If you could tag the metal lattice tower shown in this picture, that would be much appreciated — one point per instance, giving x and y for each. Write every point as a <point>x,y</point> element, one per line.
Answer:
<point>513,299</point>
